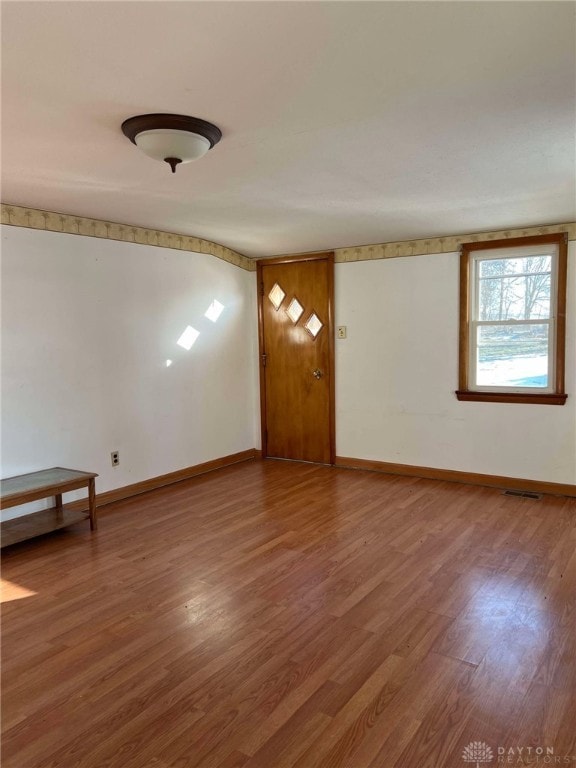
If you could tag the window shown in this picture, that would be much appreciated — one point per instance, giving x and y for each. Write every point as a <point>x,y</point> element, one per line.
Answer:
<point>512,320</point>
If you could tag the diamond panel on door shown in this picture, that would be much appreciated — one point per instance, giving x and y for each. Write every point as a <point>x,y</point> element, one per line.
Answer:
<point>313,325</point>
<point>276,296</point>
<point>295,310</point>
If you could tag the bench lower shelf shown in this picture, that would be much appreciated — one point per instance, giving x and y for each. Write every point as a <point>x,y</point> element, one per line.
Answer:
<point>38,523</point>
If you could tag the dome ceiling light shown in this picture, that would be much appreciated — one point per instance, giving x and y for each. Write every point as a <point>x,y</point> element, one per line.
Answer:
<point>174,139</point>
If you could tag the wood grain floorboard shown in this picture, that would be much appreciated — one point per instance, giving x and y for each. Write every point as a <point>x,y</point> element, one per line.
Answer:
<point>285,615</point>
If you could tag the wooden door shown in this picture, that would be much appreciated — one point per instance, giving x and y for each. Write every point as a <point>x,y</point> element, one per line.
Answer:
<point>296,357</point>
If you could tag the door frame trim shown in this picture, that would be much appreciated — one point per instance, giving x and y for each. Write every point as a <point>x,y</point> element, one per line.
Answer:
<point>327,256</point>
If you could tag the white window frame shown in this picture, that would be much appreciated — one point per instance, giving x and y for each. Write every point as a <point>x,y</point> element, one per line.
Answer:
<point>545,249</point>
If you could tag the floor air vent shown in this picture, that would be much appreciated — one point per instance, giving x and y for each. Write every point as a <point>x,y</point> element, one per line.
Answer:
<point>523,494</point>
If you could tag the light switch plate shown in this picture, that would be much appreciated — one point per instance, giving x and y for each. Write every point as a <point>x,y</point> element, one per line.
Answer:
<point>341,332</point>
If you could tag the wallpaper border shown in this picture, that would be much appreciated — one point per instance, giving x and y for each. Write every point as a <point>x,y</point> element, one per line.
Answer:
<point>447,244</point>
<point>51,221</point>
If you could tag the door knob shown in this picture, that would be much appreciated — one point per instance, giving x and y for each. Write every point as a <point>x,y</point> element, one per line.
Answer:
<point>317,373</point>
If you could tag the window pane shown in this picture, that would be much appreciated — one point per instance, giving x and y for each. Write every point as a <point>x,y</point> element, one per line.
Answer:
<point>515,265</point>
<point>524,297</point>
<point>512,356</point>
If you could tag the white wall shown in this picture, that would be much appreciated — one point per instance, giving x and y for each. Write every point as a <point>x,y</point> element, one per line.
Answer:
<point>87,327</point>
<point>397,371</point>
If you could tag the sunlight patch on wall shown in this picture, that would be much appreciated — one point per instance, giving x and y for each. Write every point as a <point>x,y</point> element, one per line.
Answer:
<point>214,311</point>
<point>188,337</point>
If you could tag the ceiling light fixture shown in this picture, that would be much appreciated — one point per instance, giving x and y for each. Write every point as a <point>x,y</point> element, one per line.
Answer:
<point>174,139</point>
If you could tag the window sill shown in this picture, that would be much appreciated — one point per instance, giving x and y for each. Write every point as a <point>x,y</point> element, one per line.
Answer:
<point>512,397</point>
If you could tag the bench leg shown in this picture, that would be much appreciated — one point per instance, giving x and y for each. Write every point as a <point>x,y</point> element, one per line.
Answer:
<point>58,500</point>
<point>92,503</point>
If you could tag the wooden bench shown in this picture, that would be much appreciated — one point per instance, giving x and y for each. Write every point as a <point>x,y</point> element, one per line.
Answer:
<point>39,485</point>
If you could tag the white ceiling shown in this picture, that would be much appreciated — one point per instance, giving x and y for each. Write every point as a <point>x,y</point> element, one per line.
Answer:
<point>344,123</point>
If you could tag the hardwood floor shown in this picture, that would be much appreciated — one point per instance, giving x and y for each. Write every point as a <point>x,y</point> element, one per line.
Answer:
<point>284,615</point>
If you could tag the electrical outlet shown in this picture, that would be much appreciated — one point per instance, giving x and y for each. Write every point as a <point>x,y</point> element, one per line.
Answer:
<point>115,456</point>
<point>341,333</point>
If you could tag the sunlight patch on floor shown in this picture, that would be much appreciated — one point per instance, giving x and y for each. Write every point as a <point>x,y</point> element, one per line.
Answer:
<point>10,591</point>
